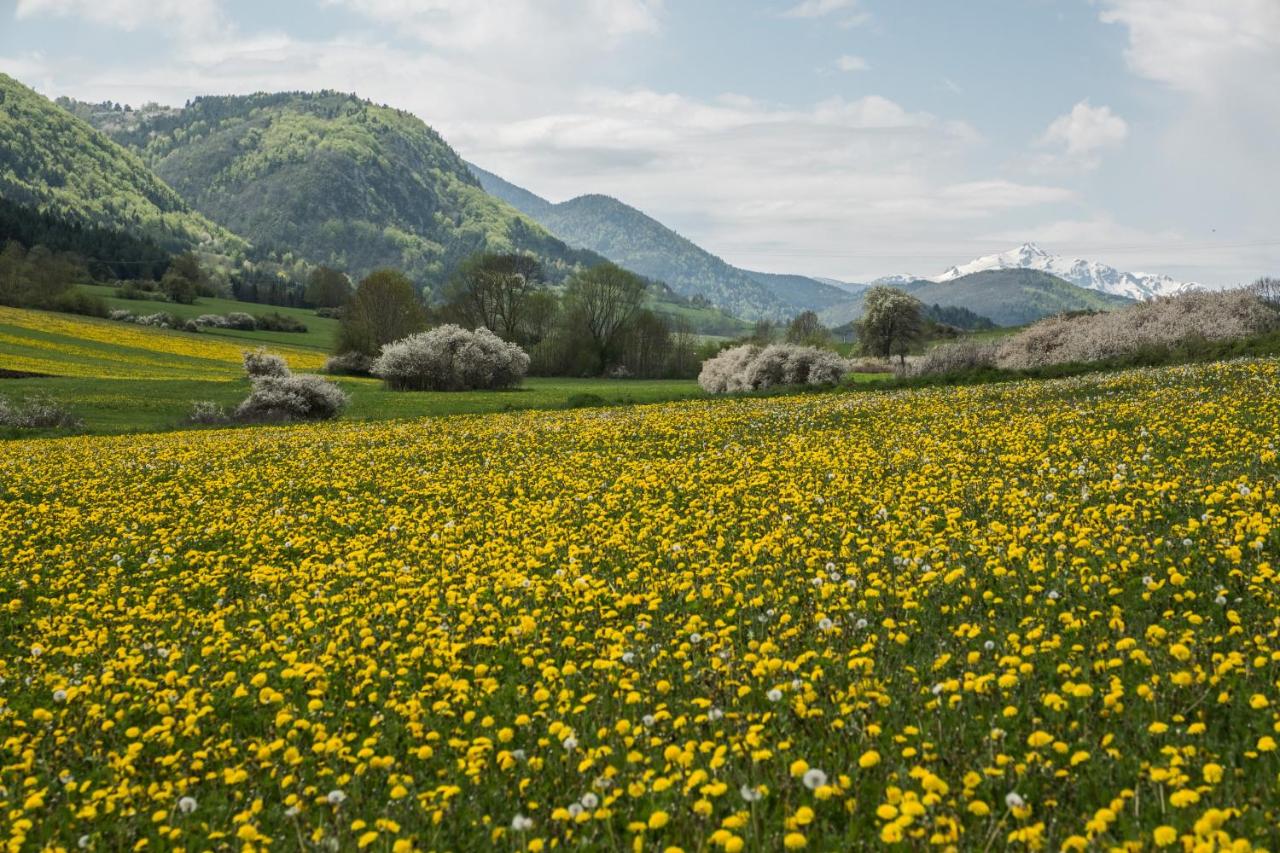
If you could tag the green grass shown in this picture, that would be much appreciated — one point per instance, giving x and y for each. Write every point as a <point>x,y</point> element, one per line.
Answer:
<point>110,406</point>
<point>321,331</point>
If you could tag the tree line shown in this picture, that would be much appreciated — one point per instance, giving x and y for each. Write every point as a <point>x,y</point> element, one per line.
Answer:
<point>595,323</point>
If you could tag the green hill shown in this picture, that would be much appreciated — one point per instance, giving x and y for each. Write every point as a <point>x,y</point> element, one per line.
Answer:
<point>337,180</point>
<point>643,245</point>
<point>53,161</point>
<point>1006,297</point>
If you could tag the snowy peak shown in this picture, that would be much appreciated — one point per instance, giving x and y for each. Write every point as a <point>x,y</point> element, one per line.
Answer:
<point>1090,274</point>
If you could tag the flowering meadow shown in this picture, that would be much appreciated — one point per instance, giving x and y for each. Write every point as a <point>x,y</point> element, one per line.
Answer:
<point>1039,615</point>
<point>66,345</point>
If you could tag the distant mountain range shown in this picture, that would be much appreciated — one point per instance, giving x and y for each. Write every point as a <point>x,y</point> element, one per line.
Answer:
<point>634,240</point>
<point>1009,297</point>
<point>1088,274</point>
<point>331,178</point>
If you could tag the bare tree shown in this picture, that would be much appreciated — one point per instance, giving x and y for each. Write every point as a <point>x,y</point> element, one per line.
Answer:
<point>602,302</point>
<point>494,291</point>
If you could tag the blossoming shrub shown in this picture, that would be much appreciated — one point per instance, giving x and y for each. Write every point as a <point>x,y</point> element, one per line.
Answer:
<point>36,413</point>
<point>301,397</point>
<point>259,362</point>
<point>957,357</point>
<point>349,364</point>
<point>752,368</point>
<point>451,358</point>
<point>1157,324</point>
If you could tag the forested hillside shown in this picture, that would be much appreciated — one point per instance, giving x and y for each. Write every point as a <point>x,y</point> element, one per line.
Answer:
<point>640,243</point>
<point>337,180</point>
<point>51,160</point>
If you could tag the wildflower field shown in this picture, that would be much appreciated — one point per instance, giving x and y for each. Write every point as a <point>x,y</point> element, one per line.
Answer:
<point>1033,615</point>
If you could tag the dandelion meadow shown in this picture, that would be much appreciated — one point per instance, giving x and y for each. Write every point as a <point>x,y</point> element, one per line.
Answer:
<point>1028,616</point>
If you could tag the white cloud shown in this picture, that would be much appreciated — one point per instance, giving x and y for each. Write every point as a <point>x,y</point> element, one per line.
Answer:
<point>1192,45</point>
<point>1222,59</point>
<point>846,10</point>
<point>1086,131</point>
<point>534,25</point>
<point>189,17</point>
<point>849,62</point>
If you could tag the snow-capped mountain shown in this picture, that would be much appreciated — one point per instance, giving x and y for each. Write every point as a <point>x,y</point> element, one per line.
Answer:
<point>896,280</point>
<point>1090,274</point>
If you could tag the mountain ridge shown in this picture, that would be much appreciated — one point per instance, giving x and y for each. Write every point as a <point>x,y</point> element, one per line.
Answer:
<point>338,180</point>
<point>639,242</point>
<point>1089,274</point>
<point>56,162</point>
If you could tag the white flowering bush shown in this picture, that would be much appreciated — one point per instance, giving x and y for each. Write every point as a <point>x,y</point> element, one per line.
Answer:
<point>1157,324</point>
<point>304,397</point>
<point>207,412</point>
<point>752,368</point>
<point>36,413</point>
<point>955,358</point>
<point>450,358</point>
<point>259,362</point>
<point>349,364</point>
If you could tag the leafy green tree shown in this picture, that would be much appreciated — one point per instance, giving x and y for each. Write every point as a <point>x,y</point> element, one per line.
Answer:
<point>384,308</point>
<point>178,287</point>
<point>892,321</point>
<point>600,304</point>
<point>805,328</point>
<point>327,288</point>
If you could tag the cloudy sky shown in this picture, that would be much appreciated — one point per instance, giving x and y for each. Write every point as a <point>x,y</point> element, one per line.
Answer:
<point>846,138</point>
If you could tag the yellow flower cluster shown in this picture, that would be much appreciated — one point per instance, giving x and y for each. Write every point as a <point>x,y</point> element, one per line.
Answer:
<point>1032,615</point>
<point>66,345</point>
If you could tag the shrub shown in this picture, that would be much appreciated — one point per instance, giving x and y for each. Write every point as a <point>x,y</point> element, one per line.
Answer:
<point>191,326</point>
<point>240,320</point>
<point>450,358</point>
<point>259,362</point>
<point>160,320</point>
<point>216,321</point>
<point>277,322</point>
<point>751,368</point>
<point>122,315</point>
<point>331,313</point>
<point>207,412</point>
<point>304,397</point>
<point>349,364</point>
<point>956,358</point>
<point>36,413</point>
<point>1148,327</point>
<point>131,290</point>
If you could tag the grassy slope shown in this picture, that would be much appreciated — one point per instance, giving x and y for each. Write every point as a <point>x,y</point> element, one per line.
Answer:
<point>320,334</point>
<point>119,377</point>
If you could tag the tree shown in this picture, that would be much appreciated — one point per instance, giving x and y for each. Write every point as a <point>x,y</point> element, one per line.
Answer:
<point>327,288</point>
<point>762,333</point>
<point>805,328</point>
<point>186,277</point>
<point>601,304</point>
<point>648,345</point>
<point>384,308</point>
<point>494,291</point>
<point>891,322</point>
<point>178,287</point>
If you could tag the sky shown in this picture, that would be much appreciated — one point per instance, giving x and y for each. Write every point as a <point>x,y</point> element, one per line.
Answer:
<point>838,138</point>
